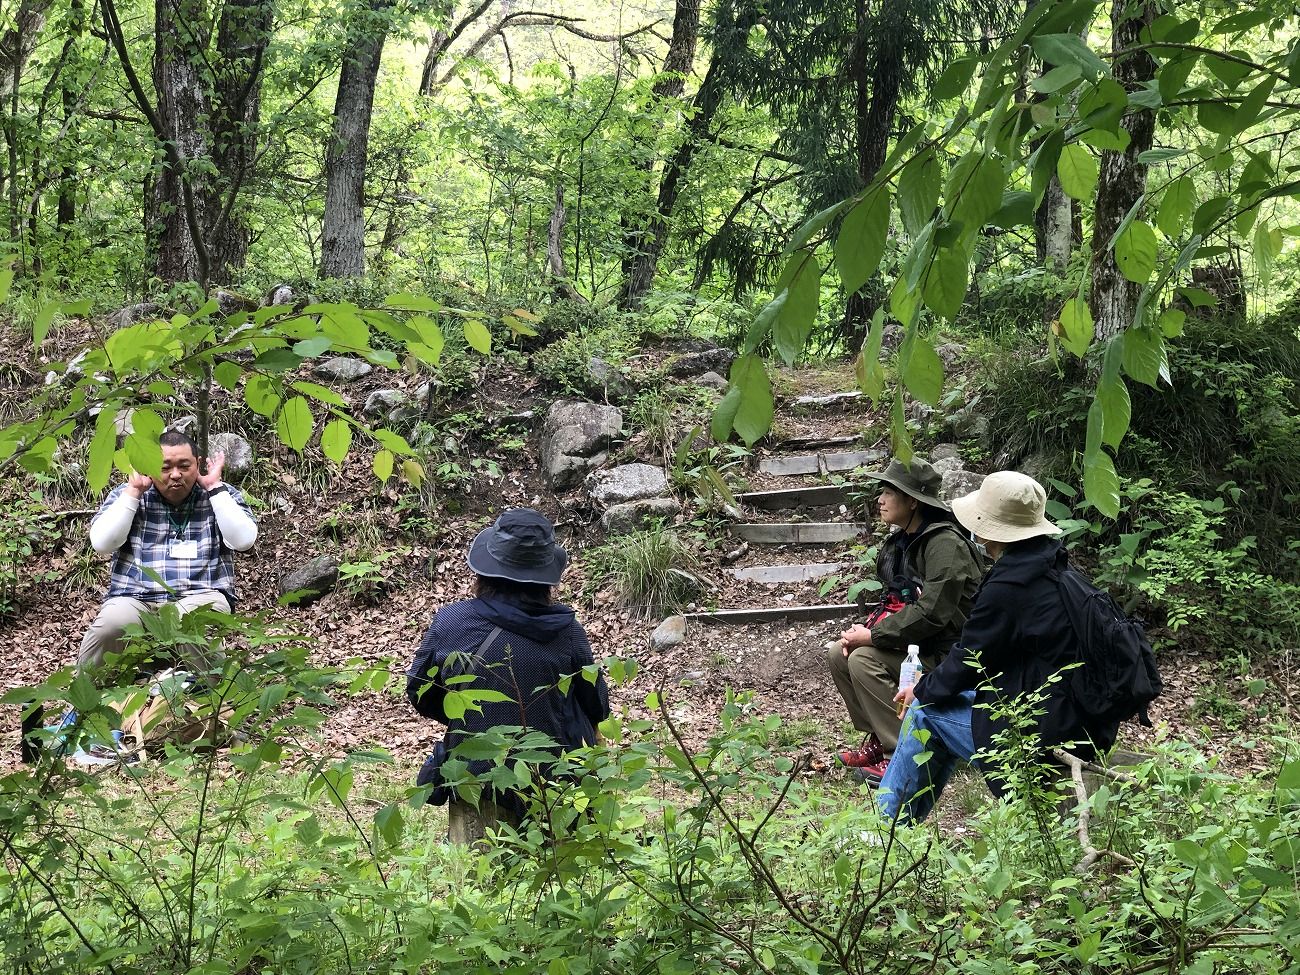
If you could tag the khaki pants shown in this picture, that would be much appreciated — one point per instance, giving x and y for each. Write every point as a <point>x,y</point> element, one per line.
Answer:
<point>119,612</point>
<point>867,679</point>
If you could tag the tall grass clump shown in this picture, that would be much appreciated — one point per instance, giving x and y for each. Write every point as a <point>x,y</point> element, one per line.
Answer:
<point>651,570</point>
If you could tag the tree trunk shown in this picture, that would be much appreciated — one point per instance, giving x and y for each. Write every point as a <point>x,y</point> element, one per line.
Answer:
<point>242,37</point>
<point>637,236</point>
<point>19,41</point>
<point>555,250</point>
<point>343,236</point>
<point>1054,227</point>
<point>645,262</point>
<point>1122,181</point>
<point>878,84</point>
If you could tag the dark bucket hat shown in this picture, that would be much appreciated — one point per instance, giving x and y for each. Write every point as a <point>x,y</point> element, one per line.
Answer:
<point>917,480</point>
<point>520,547</point>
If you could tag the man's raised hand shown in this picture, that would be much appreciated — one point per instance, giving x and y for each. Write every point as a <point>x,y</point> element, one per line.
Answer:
<point>137,484</point>
<point>212,476</point>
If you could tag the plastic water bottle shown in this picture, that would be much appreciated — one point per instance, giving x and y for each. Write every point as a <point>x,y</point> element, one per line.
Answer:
<point>909,673</point>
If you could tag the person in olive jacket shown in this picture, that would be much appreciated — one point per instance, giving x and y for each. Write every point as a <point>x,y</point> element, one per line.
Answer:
<point>1018,637</point>
<point>928,571</point>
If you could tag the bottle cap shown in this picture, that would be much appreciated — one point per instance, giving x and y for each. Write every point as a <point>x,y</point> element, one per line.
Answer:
<point>914,648</point>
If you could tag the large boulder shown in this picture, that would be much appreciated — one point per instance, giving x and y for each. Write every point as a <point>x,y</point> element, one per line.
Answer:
<point>309,581</point>
<point>967,424</point>
<point>573,438</point>
<point>959,483</point>
<point>711,380</point>
<point>669,633</point>
<point>945,464</point>
<point>631,515</point>
<point>627,482</point>
<point>950,353</point>
<point>342,368</point>
<point>945,451</point>
<point>238,451</point>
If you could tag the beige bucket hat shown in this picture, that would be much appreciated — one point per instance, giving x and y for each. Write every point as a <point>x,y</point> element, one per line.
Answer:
<point>1008,507</point>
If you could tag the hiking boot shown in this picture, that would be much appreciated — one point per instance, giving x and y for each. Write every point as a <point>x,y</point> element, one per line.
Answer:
<point>874,772</point>
<point>870,753</point>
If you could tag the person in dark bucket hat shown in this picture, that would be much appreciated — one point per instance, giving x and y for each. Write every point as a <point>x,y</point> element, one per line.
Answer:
<point>514,639</point>
<point>928,571</point>
<point>519,547</point>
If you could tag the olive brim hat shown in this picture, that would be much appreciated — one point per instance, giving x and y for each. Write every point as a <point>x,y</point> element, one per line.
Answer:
<point>520,547</point>
<point>1008,507</point>
<point>917,480</point>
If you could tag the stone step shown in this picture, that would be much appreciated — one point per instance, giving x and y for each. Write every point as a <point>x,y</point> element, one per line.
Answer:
<point>799,533</point>
<point>775,575</point>
<point>828,611</point>
<point>801,497</point>
<point>827,399</point>
<point>821,463</point>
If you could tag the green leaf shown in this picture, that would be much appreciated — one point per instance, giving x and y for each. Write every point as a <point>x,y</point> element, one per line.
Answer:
<point>1209,213</point>
<point>921,370</point>
<point>1176,206</point>
<point>6,279</point>
<point>478,336</point>
<point>974,190</point>
<point>1252,105</point>
<point>310,348</point>
<point>83,694</point>
<point>1243,21</point>
<point>1076,326</point>
<point>277,360</point>
<point>1288,779</point>
<point>44,319</point>
<point>1077,171</point>
<point>261,397</point>
<point>1144,353</point>
<point>430,336</point>
<point>1057,78</point>
<point>322,394</point>
<point>946,281</point>
<point>99,464</point>
<point>1101,483</point>
<point>868,368</point>
<point>1017,210</point>
<point>860,243</point>
<point>227,375</point>
<point>918,190</point>
<point>724,415</point>
<point>1171,77</point>
<point>394,442</point>
<point>1113,400</point>
<point>904,302</point>
<point>1267,246</point>
<point>954,80</point>
<point>294,425</point>
<point>813,225</point>
<point>142,450</point>
<point>1135,252</point>
<point>1197,297</point>
<point>755,411</point>
<point>900,436</point>
<point>796,316</point>
<point>1171,323</point>
<point>336,440</point>
<point>1069,49</point>
<point>383,465</point>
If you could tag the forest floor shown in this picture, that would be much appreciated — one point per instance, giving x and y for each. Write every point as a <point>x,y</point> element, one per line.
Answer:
<point>1215,701</point>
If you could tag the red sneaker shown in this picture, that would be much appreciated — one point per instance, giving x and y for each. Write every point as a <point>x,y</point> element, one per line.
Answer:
<point>870,753</point>
<point>874,772</point>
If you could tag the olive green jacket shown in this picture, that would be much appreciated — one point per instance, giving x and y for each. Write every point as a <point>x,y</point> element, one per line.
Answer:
<point>948,569</point>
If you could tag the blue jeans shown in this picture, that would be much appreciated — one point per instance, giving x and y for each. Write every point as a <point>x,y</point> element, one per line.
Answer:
<point>909,790</point>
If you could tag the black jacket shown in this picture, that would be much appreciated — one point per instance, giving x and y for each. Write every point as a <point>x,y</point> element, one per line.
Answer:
<point>1019,635</point>
<point>538,646</point>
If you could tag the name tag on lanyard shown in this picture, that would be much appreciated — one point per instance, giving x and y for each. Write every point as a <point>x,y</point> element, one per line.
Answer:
<point>183,548</point>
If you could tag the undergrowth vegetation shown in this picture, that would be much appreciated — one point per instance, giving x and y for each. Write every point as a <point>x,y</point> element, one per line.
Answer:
<point>639,855</point>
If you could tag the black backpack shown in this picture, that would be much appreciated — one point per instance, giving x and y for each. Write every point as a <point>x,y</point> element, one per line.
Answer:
<point>1118,676</point>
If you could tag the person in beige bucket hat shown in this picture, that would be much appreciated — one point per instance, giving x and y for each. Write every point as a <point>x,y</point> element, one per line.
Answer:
<point>1017,638</point>
<point>928,572</point>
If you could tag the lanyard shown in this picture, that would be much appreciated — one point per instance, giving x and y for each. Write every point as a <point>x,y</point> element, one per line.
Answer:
<point>180,524</point>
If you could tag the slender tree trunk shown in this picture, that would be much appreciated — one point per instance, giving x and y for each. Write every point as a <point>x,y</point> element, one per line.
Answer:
<point>242,37</point>
<point>555,250</point>
<point>1054,227</point>
<point>67,206</point>
<point>343,237</point>
<point>184,103</point>
<point>1113,300</point>
<point>637,236</point>
<point>878,83</point>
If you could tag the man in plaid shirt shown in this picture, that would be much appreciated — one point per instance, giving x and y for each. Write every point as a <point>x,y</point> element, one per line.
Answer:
<point>183,527</point>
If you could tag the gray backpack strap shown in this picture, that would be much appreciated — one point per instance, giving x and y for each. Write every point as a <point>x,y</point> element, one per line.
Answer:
<point>459,663</point>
